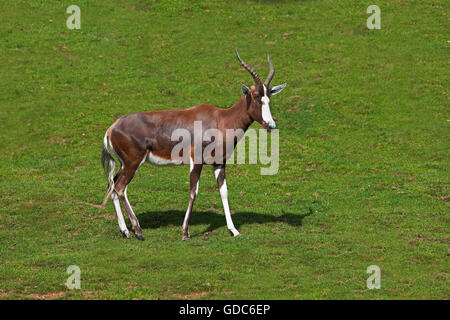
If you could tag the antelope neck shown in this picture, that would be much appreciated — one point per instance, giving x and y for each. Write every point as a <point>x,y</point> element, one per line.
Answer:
<point>238,114</point>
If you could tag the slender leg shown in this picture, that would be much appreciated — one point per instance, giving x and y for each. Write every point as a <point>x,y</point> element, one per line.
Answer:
<point>196,170</point>
<point>131,157</point>
<point>122,225</point>
<point>121,188</point>
<point>219,172</point>
<point>134,221</point>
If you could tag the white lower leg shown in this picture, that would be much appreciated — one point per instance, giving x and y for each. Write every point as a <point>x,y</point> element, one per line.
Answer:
<point>224,195</point>
<point>186,219</point>
<point>185,224</point>
<point>120,219</point>
<point>134,220</point>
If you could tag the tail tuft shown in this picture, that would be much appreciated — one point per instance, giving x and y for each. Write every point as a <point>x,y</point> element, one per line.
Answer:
<point>109,165</point>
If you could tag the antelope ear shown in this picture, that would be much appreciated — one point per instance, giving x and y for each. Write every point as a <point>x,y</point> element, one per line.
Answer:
<point>277,89</point>
<point>245,90</point>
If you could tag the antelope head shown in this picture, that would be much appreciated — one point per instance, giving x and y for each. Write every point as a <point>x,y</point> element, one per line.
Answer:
<point>258,95</point>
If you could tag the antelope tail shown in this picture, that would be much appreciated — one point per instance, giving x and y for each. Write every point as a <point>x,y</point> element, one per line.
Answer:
<point>109,165</point>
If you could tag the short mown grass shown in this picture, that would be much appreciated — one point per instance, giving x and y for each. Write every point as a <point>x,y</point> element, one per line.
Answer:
<point>364,150</point>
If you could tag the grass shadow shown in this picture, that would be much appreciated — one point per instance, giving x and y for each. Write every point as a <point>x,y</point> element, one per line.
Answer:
<point>215,220</point>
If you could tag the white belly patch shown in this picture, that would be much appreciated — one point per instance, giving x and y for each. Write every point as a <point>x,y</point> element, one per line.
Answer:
<point>159,161</point>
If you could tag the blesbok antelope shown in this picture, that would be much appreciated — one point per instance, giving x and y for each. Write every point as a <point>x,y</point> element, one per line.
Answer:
<point>146,136</point>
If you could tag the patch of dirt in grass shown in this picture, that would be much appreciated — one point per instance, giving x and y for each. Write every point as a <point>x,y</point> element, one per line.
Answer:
<point>58,140</point>
<point>47,296</point>
<point>190,296</point>
<point>441,198</point>
<point>108,216</point>
<point>4,294</point>
<point>98,206</point>
<point>439,192</point>
<point>427,239</point>
<point>89,295</point>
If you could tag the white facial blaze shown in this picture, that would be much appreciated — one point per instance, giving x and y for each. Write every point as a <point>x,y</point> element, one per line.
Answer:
<point>266,115</point>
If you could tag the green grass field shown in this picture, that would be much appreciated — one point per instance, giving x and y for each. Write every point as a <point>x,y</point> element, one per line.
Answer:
<point>364,150</point>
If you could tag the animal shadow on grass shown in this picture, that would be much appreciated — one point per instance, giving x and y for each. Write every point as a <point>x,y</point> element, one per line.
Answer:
<point>215,220</point>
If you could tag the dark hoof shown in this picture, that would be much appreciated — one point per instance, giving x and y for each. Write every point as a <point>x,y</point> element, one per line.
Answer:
<point>186,238</point>
<point>140,237</point>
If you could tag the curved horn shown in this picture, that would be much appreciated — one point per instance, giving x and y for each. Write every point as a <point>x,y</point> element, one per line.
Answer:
<point>271,72</point>
<point>250,70</point>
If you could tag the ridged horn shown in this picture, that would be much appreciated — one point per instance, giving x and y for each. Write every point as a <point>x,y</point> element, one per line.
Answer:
<point>249,69</point>
<point>271,72</point>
